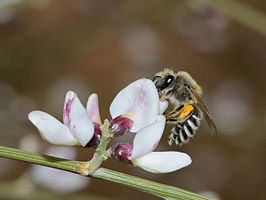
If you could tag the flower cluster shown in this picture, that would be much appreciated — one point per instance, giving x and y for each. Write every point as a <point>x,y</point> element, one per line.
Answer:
<point>136,109</point>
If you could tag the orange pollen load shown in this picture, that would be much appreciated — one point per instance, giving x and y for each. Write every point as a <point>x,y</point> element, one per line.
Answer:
<point>186,111</point>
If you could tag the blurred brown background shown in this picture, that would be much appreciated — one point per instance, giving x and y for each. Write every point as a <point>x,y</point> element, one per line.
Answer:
<point>49,47</point>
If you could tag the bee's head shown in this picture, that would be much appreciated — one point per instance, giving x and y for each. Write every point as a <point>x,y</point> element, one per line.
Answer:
<point>176,85</point>
<point>164,80</point>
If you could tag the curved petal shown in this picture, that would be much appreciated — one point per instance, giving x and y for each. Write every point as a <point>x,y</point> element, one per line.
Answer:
<point>93,108</point>
<point>147,139</point>
<point>163,162</point>
<point>77,119</point>
<point>163,106</point>
<point>139,101</point>
<point>52,130</point>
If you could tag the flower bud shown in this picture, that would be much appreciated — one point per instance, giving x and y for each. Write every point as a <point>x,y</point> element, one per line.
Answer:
<point>122,152</point>
<point>95,140</point>
<point>120,125</point>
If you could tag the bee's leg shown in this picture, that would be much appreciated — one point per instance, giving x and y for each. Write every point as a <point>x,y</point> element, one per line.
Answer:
<point>186,111</point>
<point>180,113</point>
<point>163,98</point>
<point>172,120</point>
<point>173,116</point>
<point>175,112</point>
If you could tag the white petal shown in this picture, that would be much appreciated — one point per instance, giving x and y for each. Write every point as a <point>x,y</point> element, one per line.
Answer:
<point>147,139</point>
<point>93,108</point>
<point>77,119</point>
<point>51,129</point>
<point>139,101</point>
<point>163,162</point>
<point>163,106</point>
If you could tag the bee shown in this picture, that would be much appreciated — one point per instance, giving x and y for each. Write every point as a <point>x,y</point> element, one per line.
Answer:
<point>184,94</point>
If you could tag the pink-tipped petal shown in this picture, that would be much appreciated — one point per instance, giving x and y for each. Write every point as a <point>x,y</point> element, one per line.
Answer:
<point>77,119</point>
<point>70,96</point>
<point>139,101</point>
<point>163,162</point>
<point>147,139</point>
<point>93,108</point>
<point>52,130</point>
<point>163,106</point>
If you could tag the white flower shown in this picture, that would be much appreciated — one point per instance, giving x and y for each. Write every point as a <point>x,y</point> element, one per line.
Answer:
<point>137,108</point>
<point>141,152</point>
<point>78,128</point>
<point>138,104</point>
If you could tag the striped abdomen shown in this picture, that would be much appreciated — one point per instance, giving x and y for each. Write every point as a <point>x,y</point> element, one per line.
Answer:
<point>185,130</point>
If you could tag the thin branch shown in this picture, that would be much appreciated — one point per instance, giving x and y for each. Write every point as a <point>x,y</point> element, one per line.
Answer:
<point>154,188</point>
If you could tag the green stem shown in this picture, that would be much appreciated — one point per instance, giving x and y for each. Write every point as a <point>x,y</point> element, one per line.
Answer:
<point>239,12</point>
<point>157,189</point>
<point>99,156</point>
<point>39,159</point>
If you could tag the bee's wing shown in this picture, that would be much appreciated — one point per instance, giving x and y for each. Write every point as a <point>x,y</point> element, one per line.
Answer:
<point>206,113</point>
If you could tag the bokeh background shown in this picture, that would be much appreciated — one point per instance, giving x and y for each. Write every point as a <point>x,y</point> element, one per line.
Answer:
<point>48,47</point>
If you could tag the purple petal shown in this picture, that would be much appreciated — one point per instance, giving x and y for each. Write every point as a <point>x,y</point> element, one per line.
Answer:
<point>95,140</point>
<point>120,125</point>
<point>122,152</point>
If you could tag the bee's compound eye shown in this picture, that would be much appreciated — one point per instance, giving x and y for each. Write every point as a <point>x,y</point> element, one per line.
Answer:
<point>169,79</point>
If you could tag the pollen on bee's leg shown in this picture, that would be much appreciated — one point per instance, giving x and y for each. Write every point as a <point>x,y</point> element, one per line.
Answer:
<point>186,111</point>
